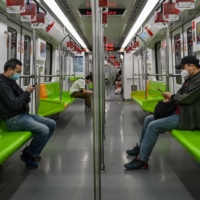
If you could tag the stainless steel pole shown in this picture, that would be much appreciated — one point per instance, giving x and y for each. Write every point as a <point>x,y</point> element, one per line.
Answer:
<point>167,58</point>
<point>145,64</point>
<point>35,72</point>
<point>60,71</point>
<point>96,101</point>
<point>102,93</point>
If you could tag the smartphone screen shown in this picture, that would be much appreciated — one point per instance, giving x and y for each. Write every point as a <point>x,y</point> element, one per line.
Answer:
<point>34,85</point>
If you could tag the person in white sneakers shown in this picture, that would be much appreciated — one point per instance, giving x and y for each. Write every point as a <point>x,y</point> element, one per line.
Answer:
<point>78,90</point>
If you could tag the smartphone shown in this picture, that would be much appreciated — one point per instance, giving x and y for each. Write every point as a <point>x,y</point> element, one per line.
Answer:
<point>160,90</point>
<point>34,85</point>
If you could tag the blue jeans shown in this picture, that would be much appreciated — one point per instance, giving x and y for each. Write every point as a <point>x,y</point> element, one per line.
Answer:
<point>42,129</point>
<point>150,132</point>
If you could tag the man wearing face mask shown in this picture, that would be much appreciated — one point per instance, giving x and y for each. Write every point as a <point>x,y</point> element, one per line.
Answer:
<point>186,115</point>
<point>14,110</point>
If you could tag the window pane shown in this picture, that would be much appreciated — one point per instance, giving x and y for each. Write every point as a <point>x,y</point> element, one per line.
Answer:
<point>190,41</point>
<point>13,53</point>
<point>48,64</point>
<point>158,61</point>
<point>177,45</point>
<point>27,58</point>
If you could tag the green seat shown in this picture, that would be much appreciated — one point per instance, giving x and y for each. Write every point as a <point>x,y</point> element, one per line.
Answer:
<point>72,78</point>
<point>10,142</point>
<point>50,102</point>
<point>153,96</point>
<point>190,140</point>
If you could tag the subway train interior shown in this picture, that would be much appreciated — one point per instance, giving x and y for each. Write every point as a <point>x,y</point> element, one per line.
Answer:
<point>131,49</point>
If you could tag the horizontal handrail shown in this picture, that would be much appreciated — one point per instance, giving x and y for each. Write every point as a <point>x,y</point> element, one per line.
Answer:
<point>32,76</point>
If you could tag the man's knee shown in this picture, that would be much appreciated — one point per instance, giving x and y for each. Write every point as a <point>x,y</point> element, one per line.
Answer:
<point>41,131</point>
<point>52,124</point>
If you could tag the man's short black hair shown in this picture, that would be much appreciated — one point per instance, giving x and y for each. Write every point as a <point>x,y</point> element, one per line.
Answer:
<point>89,77</point>
<point>12,63</point>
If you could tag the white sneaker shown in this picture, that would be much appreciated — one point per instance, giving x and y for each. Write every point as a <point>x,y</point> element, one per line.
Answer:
<point>88,110</point>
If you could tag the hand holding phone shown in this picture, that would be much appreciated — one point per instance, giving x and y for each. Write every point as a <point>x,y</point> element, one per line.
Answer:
<point>34,85</point>
<point>160,90</point>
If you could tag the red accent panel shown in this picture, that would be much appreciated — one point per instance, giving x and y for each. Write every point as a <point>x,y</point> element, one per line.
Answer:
<point>103,3</point>
<point>15,3</point>
<point>49,27</point>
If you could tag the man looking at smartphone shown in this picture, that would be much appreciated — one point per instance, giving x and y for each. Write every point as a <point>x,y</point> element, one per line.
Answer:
<point>185,116</point>
<point>14,109</point>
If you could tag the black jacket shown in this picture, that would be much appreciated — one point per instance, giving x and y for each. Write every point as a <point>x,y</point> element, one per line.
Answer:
<point>13,100</point>
<point>189,99</point>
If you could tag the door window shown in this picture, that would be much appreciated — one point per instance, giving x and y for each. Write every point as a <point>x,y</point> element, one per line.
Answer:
<point>177,45</point>
<point>48,63</point>
<point>190,41</point>
<point>13,53</point>
<point>158,61</point>
<point>27,58</point>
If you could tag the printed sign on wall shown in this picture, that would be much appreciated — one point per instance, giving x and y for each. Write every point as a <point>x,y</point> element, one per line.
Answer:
<point>78,63</point>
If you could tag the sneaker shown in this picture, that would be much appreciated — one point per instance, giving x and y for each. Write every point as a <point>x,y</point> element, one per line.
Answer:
<point>37,158</point>
<point>134,152</point>
<point>30,163</point>
<point>88,110</point>
<point>34,158</point>
<point>136,164</point>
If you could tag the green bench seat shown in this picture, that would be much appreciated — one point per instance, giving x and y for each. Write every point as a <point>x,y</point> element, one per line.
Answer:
<point>153,96</point>
<point>190,140</point>
<point>50,102</point>
<point>10,142</point>
<point>72,78</point>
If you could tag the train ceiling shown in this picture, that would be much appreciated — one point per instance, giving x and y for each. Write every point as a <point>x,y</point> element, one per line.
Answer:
<point>118,25</point>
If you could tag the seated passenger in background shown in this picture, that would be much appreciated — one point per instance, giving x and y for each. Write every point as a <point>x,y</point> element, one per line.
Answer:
<point>186,115</point>
<point>118,84</point>
<point>78,90</point>
<point>14,109</point>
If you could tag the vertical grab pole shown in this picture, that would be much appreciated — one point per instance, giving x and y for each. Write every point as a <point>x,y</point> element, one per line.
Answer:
<point>145,64</point>
<point>96,101</point>
<point>167,58</point>
<point>35,72</point>
<point>60,67</point>
<point>102,92</point>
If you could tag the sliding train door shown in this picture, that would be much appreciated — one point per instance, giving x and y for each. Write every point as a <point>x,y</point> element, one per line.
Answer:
<point>177,51</point>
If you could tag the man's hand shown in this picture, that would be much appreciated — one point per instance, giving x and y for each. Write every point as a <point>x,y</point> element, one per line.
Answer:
<point>165,100</point>
<point>167,95</point>
<point>30,89</point>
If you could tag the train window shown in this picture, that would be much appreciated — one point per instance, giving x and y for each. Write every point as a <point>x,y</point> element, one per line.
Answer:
<point>158,61</point>
<point>48,64</point>
<point>177,45</point>
<point>27,58</point>
<point>13,53</point>
<point>190,41</point>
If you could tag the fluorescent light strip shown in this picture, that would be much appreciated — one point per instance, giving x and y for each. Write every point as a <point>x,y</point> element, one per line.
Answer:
<point>144,14</point>
<point>58,12</point>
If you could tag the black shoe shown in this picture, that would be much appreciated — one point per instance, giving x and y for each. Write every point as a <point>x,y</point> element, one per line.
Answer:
<point>27,152</point>
<point>30,163</point>
<point>134,152</point>
<point>37,159</point>
<point>136,164</point>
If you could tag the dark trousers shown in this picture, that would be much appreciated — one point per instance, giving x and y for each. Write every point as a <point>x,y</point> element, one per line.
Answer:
<point>85,96</point>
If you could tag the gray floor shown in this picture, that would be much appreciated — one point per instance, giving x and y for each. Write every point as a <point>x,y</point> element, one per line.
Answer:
<point>111,96</point>
<point>66,169</point>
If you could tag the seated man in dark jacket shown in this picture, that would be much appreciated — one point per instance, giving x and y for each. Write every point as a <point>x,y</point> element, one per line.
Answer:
<point>14,110</point>
<point>185,116</point>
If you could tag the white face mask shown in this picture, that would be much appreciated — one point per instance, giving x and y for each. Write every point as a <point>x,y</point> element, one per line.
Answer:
<point>185,74</point>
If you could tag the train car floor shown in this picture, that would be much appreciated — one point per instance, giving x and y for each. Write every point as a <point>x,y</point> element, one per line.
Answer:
<point>66,169</point>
